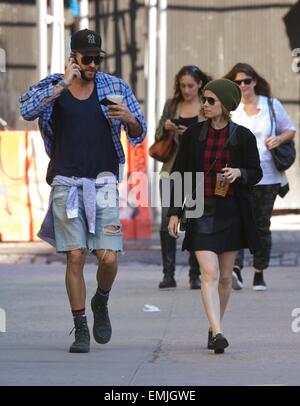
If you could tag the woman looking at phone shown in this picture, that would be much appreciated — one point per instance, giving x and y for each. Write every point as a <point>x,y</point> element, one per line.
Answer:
<point>184,108</point>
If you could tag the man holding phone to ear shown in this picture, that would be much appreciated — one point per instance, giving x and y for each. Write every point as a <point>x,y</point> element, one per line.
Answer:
<point>82,139</point>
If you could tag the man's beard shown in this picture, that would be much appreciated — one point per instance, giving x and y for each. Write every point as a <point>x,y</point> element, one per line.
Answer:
<point>84,77</point>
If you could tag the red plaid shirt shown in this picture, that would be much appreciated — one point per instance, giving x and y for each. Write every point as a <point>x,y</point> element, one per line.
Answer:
<point>213,149</point>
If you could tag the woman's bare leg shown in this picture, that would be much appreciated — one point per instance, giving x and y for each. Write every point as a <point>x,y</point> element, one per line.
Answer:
<point>209,265</point>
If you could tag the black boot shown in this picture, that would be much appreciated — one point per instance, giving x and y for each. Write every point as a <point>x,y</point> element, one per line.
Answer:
<point>210,341</point>
<point>194,272</point>
<point>82,336</point>
<point>102,326</point>
<point>168,250</point>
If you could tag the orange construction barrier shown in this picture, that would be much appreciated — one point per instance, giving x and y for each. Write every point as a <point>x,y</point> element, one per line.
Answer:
<point>23,191</point>
<point>136,220</point>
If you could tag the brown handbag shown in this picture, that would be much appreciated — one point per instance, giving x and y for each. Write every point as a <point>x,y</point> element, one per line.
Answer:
<point>162,150</point>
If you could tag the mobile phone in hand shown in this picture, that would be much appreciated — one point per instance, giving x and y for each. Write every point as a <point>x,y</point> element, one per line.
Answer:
<point>74,60</point>
<point>106,102</point>
<point>175,121</point>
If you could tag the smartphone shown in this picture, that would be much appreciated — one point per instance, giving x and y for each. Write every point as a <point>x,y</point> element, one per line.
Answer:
<point>106,102</point>
<point>74,60</point>
<point>175,121</point>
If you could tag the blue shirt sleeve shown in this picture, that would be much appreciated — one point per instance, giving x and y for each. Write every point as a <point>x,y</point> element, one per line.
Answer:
<point>135,109</point>
<point>38,98</point>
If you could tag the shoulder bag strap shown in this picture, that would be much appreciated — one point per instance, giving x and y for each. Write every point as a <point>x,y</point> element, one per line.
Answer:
<point>272,115</point>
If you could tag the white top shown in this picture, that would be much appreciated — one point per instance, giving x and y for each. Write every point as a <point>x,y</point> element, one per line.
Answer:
<point>260,125</point>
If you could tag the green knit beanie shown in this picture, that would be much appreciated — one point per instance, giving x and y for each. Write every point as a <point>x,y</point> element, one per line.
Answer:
<point>228,92</point>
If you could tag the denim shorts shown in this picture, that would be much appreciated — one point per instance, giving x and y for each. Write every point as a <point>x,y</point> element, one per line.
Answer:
<point>73,233</point>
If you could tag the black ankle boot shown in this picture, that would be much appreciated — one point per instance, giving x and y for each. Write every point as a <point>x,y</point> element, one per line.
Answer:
<point>82,336</point>
<point>195,282</point>
<point>167,282</point>
<point>210,341</point>
<point>194,272</point>
<point>102,327</point>
<point>168,250</point>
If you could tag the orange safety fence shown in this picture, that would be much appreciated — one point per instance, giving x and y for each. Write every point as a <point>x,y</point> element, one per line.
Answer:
<point>138,224</point>
<point>24,192</point>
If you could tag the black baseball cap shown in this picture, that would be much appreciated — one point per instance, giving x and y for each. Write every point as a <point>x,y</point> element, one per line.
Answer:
<point>86,40</point>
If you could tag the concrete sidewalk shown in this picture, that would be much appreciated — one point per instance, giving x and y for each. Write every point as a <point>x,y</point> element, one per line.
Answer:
<point>167,347</point>
<point>147,348</point>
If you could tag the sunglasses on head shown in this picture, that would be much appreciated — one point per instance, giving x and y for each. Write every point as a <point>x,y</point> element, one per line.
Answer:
<point>87,60</point>
<point>245,81</point>
<point>209,100</point>
<point>194,69</point>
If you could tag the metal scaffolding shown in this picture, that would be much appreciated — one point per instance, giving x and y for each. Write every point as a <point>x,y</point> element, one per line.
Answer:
<point>56,19</point>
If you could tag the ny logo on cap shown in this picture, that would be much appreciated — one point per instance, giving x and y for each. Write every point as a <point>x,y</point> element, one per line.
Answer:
<point>91,39</point>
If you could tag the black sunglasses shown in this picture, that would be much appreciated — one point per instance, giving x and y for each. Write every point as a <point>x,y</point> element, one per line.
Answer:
<point>246,81</point>
<point>209,100</point>
<point>87,60</point>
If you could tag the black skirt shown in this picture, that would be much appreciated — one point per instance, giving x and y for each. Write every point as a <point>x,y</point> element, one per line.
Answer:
<point>220,232</point>
<point>229,239</point>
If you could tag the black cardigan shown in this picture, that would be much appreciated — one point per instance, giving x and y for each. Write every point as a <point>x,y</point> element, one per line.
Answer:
<point>243,155</point>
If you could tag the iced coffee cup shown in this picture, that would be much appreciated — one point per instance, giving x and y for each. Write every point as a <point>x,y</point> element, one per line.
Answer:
<point>115,98</point>
<point>222,185</point>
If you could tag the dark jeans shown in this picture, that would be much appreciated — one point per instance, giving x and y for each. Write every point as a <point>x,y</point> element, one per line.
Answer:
<point>264,199</point>
<point>168,243</point>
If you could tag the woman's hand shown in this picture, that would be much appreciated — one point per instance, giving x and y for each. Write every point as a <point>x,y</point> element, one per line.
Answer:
<point>173,226</point>
<point>231,173</point>
<point>181,129</point>
<point>273,141</point>
<point>170,126</point>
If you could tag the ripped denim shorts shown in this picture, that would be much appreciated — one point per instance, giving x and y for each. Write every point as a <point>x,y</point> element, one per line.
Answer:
<point>73,233</point>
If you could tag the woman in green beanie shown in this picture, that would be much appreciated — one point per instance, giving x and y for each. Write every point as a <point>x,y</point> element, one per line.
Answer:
<point>182,110</point>
<point>227,155</point>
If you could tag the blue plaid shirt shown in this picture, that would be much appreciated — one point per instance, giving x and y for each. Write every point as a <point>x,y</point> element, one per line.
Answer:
<point>34,104</point>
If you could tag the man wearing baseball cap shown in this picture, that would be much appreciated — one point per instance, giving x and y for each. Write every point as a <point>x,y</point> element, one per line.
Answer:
<point>81,132</point>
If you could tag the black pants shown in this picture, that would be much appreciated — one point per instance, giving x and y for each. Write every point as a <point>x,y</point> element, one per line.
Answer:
<point>168,243</point>
<point>264,199</point>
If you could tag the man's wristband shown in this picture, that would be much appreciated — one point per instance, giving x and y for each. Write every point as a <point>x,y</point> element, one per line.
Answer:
<point>63,84</point>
